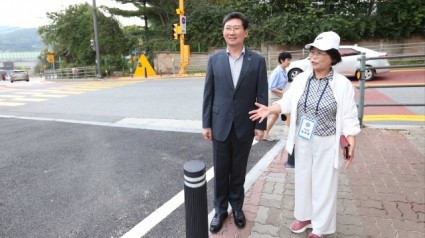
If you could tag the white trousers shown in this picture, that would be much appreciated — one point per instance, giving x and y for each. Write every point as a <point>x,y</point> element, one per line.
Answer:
<point>316,183</point>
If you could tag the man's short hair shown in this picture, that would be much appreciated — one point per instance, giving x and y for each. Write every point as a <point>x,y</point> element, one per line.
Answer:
<point>283,56</point>
<point>237,15</point>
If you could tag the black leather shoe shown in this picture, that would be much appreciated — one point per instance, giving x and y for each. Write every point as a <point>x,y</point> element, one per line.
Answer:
<point>217,222</point>
<point>240,220</point>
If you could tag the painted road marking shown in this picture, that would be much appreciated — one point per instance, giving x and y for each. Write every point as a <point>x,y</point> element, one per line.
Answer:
<point>11,96</point>
<point>420,118</point>
<point>58,91</point>
<point>30,99</point>
<point>27,92</point>
<point>41,95</point>
<point>49,96</point>
<point>11,104</point>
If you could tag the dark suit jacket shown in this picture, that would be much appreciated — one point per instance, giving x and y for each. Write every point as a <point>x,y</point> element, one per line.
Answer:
<point>224,105</point>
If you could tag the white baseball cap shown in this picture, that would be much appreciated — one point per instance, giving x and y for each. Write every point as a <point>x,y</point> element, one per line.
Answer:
<point>325,41</point>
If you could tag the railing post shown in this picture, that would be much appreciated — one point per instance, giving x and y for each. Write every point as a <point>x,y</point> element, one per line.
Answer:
<point>195,199</point>
<point>360,109</point>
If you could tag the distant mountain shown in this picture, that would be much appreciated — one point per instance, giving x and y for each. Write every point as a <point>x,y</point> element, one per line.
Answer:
<point>15,39</point>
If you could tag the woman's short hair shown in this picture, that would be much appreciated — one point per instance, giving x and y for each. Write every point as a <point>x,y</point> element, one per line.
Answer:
<point>335,56</point>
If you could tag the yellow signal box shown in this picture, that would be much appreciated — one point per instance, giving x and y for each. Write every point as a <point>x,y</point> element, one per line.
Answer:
<point>177,30</point>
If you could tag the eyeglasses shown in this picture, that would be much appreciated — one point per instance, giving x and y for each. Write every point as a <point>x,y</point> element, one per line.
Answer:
<point>234,28</point>
<point>318,54</point>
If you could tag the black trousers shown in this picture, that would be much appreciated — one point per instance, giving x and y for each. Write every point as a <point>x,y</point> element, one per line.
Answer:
<point>230,162</point>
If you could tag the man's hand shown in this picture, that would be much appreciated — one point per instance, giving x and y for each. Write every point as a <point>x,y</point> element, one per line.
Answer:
<point>207,133</point>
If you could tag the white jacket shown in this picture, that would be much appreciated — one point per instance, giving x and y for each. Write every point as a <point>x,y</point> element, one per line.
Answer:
<point>347,122</point>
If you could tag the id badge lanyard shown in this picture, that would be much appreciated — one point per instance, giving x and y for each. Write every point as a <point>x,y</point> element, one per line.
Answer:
<point>307,126</point>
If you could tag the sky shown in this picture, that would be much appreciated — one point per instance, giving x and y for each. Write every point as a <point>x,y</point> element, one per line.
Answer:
<point>32,13</point>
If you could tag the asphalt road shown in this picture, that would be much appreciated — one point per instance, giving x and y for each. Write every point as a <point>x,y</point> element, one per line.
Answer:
<point>89,164</point>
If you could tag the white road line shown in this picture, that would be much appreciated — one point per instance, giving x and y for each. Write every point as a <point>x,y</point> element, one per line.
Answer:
<point>190,126</point>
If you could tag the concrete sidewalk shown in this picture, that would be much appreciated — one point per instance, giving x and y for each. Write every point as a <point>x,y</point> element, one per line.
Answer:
<point>380,195</point>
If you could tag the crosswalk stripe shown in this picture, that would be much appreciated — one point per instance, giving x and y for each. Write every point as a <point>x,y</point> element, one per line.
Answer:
<point>58,91</point>
<point>30,99</point>
<point>11,104</point>
<point>49,96</point>
<point>11,96</point>
<point>41,95</point>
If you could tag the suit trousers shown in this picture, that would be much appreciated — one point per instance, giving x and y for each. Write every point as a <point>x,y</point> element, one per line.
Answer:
<point>316,183</point>
<point>230,162</point>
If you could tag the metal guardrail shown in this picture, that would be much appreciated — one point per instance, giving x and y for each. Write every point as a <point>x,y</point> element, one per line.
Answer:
<point>68,73</point>
<point>362,85</point>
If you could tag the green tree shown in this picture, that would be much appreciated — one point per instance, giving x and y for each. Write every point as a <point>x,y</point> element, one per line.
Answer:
<point>276,22</point>
<point>398,19</point>
<point>71,30</point>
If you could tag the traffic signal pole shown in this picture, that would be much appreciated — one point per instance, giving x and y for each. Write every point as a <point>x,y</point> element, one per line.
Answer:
<point>184,49</point>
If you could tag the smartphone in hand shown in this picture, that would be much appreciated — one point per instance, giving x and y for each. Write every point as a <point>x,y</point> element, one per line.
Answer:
<point>345,146</point>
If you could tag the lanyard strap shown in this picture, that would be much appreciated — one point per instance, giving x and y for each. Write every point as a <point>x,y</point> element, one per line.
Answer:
<point>320,98</point>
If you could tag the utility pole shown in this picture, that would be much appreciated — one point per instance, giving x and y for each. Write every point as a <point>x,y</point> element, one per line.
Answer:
<point>179,30</point>
<point>96,41</point>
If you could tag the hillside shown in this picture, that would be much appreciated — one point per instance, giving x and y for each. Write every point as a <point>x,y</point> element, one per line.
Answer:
<point>14,39</point>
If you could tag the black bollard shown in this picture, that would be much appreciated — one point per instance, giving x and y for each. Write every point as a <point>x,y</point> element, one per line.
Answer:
<point>195,199</point>
<point>290,163</point>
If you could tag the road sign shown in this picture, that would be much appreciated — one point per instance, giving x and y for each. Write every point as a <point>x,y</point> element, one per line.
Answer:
<point>50,57</point>
<point>144,68</point>
<point>183,24</point>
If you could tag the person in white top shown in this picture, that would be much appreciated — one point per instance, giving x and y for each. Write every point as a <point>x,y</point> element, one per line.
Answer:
<point>322,106</point>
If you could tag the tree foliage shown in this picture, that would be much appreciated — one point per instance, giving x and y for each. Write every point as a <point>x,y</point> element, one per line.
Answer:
<point>71,30</point>
<point>281,22</point>
<point>275,22</point>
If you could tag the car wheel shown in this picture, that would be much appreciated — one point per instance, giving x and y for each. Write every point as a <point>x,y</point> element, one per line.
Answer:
<point>293,73</point>
<point>369,74</point>
<point>11,81</point>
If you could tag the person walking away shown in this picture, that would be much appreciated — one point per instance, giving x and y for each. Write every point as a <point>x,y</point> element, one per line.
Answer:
<point>74,72</point>
<point>236,78</point>
<point>322,106</point>
<point>277,82</point>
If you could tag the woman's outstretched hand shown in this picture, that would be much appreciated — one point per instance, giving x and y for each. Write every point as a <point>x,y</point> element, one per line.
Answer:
<point>261,113</point>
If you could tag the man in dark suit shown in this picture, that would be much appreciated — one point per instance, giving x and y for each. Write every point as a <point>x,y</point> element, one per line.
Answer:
<point>236,78</point>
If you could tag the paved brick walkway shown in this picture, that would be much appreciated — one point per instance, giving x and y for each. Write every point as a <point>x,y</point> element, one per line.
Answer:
<point>380,195</point>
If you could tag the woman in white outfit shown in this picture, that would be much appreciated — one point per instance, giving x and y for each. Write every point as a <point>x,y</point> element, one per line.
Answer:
<point>322,106</point>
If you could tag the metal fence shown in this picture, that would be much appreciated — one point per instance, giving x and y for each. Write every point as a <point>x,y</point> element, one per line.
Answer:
<point>80,73</point>
<point>362,86</point>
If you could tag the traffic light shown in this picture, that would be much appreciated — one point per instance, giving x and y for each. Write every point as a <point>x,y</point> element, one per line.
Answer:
<point>177,30</point>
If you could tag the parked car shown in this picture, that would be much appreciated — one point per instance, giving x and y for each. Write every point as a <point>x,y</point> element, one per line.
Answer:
<point>3,75</point>
<point>19,75</point>
<point>349,64</point>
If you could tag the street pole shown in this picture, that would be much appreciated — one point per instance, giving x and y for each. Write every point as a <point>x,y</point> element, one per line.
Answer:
<point>96,40</point>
